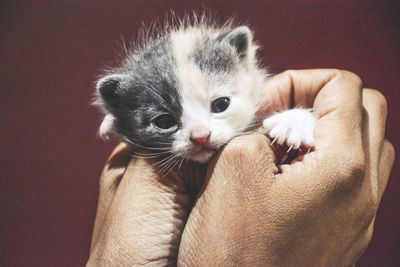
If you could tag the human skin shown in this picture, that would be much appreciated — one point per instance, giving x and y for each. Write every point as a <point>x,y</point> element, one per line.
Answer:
<point>319,211</point>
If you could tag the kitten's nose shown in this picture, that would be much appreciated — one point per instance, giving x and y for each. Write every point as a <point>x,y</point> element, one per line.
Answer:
<point>200,134</point>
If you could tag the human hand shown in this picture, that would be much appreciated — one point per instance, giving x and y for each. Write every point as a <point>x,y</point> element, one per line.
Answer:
<point>239,218</point>
<point>141,214</point>
<point>317,212</point>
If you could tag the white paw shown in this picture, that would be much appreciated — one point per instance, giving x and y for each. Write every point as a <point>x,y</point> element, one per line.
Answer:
<point>294,127</point>
<point>106,129</point>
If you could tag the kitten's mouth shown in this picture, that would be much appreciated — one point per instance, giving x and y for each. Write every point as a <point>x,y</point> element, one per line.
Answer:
<point>205,147</point>
<point>198,150</point>
<point>202,153</point>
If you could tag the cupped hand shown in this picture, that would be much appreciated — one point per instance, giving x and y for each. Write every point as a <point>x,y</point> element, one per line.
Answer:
<point>141,213</point>
<point>316,212</point>
<point>319,211</point>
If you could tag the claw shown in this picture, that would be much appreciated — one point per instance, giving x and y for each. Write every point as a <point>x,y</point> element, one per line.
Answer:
<point>290,148</point>
<point>273,141</point>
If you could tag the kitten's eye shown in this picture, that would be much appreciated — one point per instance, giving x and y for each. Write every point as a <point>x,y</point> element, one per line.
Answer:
<point>220,104</point>
<point>164,121</point>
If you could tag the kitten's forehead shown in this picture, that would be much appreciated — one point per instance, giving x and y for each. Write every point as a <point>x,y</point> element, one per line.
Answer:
<point>203,70</point>
<point>201,64</point>
<point>152,75</point>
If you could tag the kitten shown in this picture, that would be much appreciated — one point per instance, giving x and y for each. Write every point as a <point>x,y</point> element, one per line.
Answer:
<point>191,89</point>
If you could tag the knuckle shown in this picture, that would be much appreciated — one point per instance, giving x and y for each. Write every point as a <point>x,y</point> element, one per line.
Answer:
<point>356,166</point>
<point>379,99</point>
<point>288,71</point>
<point>348,75</point>
<point>391,150</point>
<point>351,171</point>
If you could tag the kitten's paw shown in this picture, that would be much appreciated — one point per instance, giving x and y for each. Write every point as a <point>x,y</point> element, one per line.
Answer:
<point>107,127</point>
<point>294,127</point>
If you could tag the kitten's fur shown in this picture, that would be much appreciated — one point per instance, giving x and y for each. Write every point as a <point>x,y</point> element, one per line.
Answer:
<point>181,72</point>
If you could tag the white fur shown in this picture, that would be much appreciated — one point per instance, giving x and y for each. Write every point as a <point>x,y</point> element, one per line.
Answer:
<point>295,127</point>
<point>107,127</point>
<point>198,90</point>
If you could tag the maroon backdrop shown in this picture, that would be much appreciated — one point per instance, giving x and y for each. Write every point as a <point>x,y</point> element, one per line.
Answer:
<point>50,55</point>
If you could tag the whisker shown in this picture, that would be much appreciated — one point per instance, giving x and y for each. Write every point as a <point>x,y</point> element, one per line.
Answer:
<point>172,165</point>
<point>180,164</point>
<point>150,148</point>
<point>167,164</point>
<point>236,134</point>
<point>163,164</point>
<point>152,154</point>
<point>245,132</point>
<point>147,156</point>
<point>163,161</point>
<point>142,157</point>
<point>162,143</point>
<point>248,126</point>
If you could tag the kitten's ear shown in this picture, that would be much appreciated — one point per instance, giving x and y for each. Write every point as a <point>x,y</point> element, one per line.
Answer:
<point>239,38</point>
<point>110,88</point>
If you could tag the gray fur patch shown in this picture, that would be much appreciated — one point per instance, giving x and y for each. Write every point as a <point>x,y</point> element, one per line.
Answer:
<point>209,55</point>
<point>151,89</point>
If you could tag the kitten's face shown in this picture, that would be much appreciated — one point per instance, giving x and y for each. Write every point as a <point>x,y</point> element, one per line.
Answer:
<point>215,108</point>
<point>187,93</point>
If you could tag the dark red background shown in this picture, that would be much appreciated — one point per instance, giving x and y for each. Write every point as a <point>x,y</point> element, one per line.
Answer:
<point>50,55</point>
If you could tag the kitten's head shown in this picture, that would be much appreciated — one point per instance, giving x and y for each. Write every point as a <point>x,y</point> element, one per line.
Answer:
<point>188,91</point>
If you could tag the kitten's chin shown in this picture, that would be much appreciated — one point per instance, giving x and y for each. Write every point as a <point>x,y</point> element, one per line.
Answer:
<point>202,156</point>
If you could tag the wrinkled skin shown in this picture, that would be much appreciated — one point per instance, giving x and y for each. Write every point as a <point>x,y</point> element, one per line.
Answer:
<point>319,211</point>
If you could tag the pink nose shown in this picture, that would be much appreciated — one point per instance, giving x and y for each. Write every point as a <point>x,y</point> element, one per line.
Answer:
<point>200,135</point>
<point>200,140</point>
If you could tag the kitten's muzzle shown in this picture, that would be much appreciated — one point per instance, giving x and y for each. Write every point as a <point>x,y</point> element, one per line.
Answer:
<point>202,140</point>
<point>200,135</point>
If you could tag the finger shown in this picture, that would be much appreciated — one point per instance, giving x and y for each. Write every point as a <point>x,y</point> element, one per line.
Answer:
<point>115,166</point>
<point>335,96</point>
<point>385,166</point>
<point>375,107</point>
<point>375,113</point>
<point>297,87</point>
<point>112,173</point>
<point>145,217</point>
